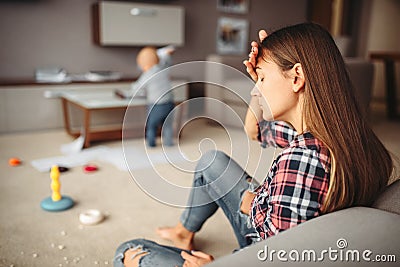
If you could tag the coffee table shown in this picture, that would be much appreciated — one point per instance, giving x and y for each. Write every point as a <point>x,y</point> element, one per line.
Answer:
<point>90,102</point>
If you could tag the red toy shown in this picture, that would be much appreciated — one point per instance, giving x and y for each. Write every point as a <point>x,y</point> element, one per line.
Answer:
<point>14,162</point>
<point>90,168</point>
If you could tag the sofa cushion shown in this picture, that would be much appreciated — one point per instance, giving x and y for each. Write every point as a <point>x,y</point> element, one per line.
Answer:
<point>389,200</point>
<point>354,229</point>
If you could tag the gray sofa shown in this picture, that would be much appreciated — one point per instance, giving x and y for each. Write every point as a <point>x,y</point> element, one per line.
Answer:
<point>358,236</point>
<point>347,234</point>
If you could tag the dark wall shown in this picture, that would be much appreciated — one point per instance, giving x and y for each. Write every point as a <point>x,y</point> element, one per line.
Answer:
<point>44,33</point>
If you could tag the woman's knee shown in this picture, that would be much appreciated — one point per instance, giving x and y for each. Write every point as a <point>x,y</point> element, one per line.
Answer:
<point>214,163</point>
<point>211,159</point>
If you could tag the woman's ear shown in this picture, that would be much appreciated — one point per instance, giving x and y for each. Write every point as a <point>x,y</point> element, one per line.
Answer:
<point>298,78</point>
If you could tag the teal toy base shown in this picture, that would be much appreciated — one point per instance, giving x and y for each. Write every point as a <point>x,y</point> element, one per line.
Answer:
<point>63,204</point>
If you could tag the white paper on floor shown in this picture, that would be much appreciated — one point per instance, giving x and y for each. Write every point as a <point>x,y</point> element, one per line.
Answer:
<point>141,159</point>
<point>73,147</point>
<point>137,158</point>
<point>71,160</point>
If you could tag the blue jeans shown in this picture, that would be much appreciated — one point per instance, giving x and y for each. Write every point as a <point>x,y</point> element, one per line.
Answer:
<point>222,183</point>
<point>158,255</point>
<point>158,116</point>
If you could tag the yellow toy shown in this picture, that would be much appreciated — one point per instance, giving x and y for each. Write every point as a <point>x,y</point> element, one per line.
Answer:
<point>55,183</point>
<point>56,202</point>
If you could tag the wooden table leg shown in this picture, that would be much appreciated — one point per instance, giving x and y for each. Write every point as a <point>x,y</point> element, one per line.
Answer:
<point>67,125</point>
<point>391,98</point>
<point>389,59</point>
<point>86,125</point>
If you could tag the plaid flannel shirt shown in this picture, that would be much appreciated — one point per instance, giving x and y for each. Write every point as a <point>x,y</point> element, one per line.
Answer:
<point>297,183</point>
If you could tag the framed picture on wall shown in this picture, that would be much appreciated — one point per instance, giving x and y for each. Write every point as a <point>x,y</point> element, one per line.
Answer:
<point>233,6</point>
<point>232,36</point>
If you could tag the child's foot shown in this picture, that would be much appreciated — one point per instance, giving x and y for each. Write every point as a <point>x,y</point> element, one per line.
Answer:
<point>181,238</point>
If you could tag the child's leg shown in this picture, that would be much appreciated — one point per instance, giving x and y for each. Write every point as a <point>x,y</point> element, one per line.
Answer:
<point>152,123</point>
<point>168,125</point>
<point>157,115</point>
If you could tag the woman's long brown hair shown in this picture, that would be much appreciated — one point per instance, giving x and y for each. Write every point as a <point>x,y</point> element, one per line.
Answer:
<point>360,164</point>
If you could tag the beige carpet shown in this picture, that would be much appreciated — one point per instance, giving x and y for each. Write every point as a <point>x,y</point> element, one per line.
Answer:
<point>30,236</point>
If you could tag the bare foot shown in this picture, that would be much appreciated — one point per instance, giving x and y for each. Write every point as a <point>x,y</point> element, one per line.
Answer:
<point>178,235</point>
